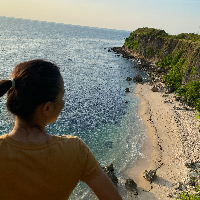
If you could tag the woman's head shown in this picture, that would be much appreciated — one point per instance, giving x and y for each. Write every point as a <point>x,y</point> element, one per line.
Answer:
<point>36,82</point>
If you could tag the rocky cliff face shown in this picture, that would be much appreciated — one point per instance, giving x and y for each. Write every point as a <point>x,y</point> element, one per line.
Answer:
<point>156,47</point>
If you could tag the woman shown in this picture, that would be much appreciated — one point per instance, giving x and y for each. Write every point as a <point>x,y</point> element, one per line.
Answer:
<point>34,164</point>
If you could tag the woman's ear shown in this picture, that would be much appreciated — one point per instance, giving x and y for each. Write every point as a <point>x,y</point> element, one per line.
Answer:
<point>47,108</point>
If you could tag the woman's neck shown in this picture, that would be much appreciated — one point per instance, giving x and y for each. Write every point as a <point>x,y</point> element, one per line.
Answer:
<point>29,132</point>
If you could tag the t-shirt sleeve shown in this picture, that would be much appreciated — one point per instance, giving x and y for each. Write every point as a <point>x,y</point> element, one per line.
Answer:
<point>90,164</point>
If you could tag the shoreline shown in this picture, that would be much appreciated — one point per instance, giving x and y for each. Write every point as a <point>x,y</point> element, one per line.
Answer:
<point>172,141</point>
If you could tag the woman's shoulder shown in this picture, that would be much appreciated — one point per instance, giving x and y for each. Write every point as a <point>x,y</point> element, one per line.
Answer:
<point>72,141</point>
<point>67,138</point>
<point>2,137</point>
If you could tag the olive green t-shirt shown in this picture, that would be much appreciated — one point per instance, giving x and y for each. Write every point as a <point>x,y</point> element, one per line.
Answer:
<point>44,171</point>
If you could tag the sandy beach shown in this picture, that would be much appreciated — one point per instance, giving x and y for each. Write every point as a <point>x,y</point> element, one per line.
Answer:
<point>172,140</point>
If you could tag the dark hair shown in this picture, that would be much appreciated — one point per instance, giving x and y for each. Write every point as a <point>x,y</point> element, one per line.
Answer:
<point>36,82</point>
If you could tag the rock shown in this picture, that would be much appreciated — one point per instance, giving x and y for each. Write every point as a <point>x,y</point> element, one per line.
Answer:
<point>169,89</point>
<point>170,195</point>
<point>110,167</point>
<point>189,181</point>
<point>150,175</point>
<point>154,89</point>
<point>161,69</point>
<point>131,185</point>
<point>109,170</point>
<point>180,187</point>
<point>190,164</point>
<point>109,144</point>
<point>128,79</point>
<point>127,90</point>
<point>177,98</point>
<point>137,79</point>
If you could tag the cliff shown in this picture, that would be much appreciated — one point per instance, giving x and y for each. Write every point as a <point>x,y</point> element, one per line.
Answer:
<point>158,48</point>
<point>175,57</point>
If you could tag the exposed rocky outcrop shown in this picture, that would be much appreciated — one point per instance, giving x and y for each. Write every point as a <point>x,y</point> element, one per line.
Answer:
<point>131,185</point>
<point>150,175</point>
<point>109,170</point>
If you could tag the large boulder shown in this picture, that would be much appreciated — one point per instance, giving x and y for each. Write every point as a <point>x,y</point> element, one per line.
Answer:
<point>150,175</point>
<point>109,170</point>
<point>131,185</point>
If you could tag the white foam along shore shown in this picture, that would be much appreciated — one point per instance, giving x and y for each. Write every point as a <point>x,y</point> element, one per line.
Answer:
<point>173,139</point>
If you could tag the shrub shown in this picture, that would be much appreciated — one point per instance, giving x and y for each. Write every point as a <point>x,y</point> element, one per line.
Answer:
<point>189,195</point>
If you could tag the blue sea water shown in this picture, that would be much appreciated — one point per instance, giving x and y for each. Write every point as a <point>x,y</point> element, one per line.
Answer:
<point>95,82</point>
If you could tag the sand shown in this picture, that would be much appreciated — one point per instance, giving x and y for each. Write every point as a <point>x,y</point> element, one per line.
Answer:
<point>172,140</point>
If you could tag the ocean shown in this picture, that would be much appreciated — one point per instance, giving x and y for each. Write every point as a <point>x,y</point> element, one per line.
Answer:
<point>95,82</point>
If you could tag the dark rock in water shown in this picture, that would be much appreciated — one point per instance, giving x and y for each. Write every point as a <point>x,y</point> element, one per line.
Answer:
<point>109,144</point>
<point>154,89</point>
<point>128,79</point>
<point>109,50</point>
<point>109,170</point>
<point>127,90</point>
<point>131,185</point>
<point>137,79</point>
<point>110,167</point>
<point>150,175</point>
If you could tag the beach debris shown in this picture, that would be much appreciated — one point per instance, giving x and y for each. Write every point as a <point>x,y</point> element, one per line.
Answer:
<point>131,185</point>
<point>137,79</point>
<point>127,90</point>
<point>109,170</point>
<point>128,79</point>
<point>150,175</point>
<point>154,89</point>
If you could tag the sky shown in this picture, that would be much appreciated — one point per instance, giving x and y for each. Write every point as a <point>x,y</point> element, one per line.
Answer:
<point>173,16</point>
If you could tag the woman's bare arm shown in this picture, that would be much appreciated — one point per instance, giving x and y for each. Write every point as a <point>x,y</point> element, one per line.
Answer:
<point>103,187</point>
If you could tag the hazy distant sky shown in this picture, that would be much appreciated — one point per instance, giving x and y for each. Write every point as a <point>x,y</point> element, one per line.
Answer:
<point>174,16</point>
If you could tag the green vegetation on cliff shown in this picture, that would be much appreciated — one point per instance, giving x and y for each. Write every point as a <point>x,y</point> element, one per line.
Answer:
<point>178,54</point>
<point>162,34</point>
